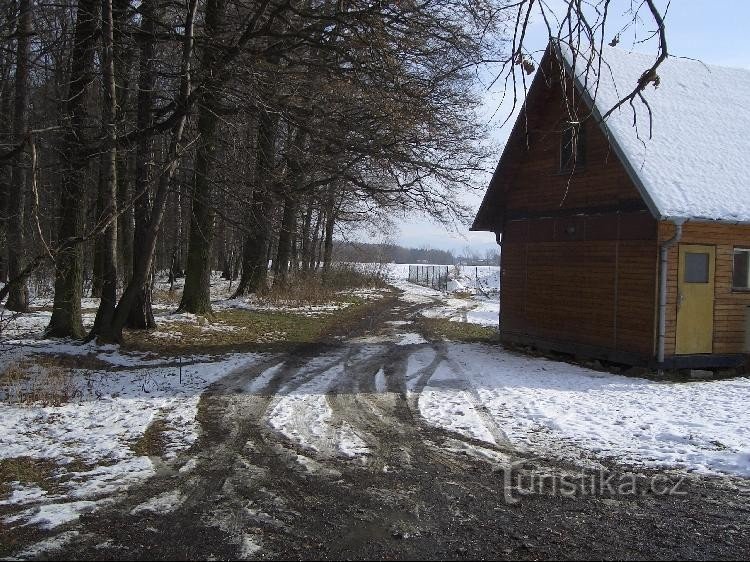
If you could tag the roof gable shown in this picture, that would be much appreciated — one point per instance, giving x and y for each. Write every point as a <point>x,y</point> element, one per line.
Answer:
<point>694,163</point>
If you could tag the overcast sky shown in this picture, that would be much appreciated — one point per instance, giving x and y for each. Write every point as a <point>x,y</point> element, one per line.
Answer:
<point>714,31</point>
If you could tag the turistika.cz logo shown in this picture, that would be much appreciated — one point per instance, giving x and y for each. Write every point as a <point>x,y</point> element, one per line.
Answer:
<point>519,480</point>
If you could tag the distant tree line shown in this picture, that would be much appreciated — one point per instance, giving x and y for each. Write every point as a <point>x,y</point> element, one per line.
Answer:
<point>197,135</point>
<point>392,253</point>
<point>389,253</point>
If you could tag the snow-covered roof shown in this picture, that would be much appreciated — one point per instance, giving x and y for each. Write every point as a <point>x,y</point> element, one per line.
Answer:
<point>696,163</point>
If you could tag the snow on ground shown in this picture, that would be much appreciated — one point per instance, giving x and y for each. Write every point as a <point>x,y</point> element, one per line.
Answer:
<point>553,408</point>
<point>462,303</point>
<point>559,409</point>
<point>90,438</point>
<point>301,413</point>
<point>251,303</point>
<point>410,338</point>
<point>476,309</point>
<point>89,435</point>
<point>543,406</point>
<point>447,402</point>
<point>461,278</point>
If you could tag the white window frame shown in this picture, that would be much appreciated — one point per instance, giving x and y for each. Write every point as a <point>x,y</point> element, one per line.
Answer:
<point>736,250</point>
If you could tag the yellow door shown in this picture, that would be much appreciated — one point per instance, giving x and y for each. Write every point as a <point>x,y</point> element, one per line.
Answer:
<point>695,299</point>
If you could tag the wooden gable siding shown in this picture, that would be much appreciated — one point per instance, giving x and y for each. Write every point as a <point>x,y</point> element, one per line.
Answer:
<point>537,184</point>
<point>729,305</point>
<point>579,252</point>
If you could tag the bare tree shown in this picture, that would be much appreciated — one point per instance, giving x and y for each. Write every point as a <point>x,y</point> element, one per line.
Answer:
<point>18,300</point>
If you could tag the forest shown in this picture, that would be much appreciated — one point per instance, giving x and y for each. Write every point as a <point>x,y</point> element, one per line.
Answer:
<point>222,135</point>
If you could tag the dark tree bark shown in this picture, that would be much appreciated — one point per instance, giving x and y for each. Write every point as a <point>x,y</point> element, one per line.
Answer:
<point>257,240</point>
<point>141,315</point>
<point>18,299</point>
<point>328,237</point>
<point>312,256</point>
<point>5,125</point>
<point>108,177</point>
<point>306,242</point>
<point>291,201</point>
<point>293,250</point>
<point>223,254</point>
<point>66,309</point>
<point>125,219</point>
<point>144,260</point>
<point>196,296</point>
<point>123,56</point>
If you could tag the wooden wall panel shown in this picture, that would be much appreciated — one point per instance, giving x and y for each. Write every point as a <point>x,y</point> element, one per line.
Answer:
<point>585,292</point>
<point>729,305</point>
<point>536,184</point>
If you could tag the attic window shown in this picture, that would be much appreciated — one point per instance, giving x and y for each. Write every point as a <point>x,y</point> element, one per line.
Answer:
<point>741,270</point>
<point>572,147</point>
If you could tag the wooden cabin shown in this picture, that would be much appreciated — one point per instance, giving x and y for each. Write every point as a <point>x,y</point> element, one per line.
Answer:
<point>620,242</point>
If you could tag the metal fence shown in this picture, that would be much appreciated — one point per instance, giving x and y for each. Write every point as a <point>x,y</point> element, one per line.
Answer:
<point>435,276</point>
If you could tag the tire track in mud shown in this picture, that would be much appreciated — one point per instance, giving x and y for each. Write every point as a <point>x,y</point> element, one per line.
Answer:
<point>239,461</point>
<point>252,492</point>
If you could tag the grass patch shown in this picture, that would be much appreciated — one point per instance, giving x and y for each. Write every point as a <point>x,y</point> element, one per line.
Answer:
<point>458,331</point>
<point>317,287</point>
<point>165,296</point>
<point>229,329</point>
<point>462,295</point>
<point>28,471</point>
<point>248,330</point>
<point>38,382</point>
<point>153,442</point>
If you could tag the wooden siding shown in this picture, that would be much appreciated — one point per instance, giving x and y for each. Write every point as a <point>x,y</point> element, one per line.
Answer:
<point>579,251</point>
<point>537,185</point>
<point>729,305</point>
<point>587,291</point>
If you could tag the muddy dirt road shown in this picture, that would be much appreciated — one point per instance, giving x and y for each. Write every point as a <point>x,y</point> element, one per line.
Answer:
<point>355,472</point>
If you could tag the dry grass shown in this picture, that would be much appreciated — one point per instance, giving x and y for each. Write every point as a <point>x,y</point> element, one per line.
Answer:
<point>462,295</point>
<point>315,288</point>
<point>153,442</point>
<point>165,296</point>
<point>236,329</point>
<point>246,328</point>
<point>26,470</point>
<point>37,383</point>
<point>459,331</point>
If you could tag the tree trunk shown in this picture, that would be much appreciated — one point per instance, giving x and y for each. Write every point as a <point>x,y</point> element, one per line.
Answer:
<point>108,178</point>
<point>18,299</point>
<point>142,265</point>
<point>255,252</point>
<point>196,296</point>
<point>293,251</point>
<point>313,251</point>
<point>223,254</point>
<point>140,315</point>
<point>291,199</point>
<point>5,125</point>
<point>125,219</point>
<point>66,309</point>
<point>124,56</point>
<point>328,244</point>
<point>97,262</point>
<point>306,242</point>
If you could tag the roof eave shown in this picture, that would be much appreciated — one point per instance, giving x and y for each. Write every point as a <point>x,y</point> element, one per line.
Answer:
<point>611,138</point>
<point>486,225</point>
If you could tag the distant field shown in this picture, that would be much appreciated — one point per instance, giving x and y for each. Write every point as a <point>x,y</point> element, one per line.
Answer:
<point>486,278</point>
